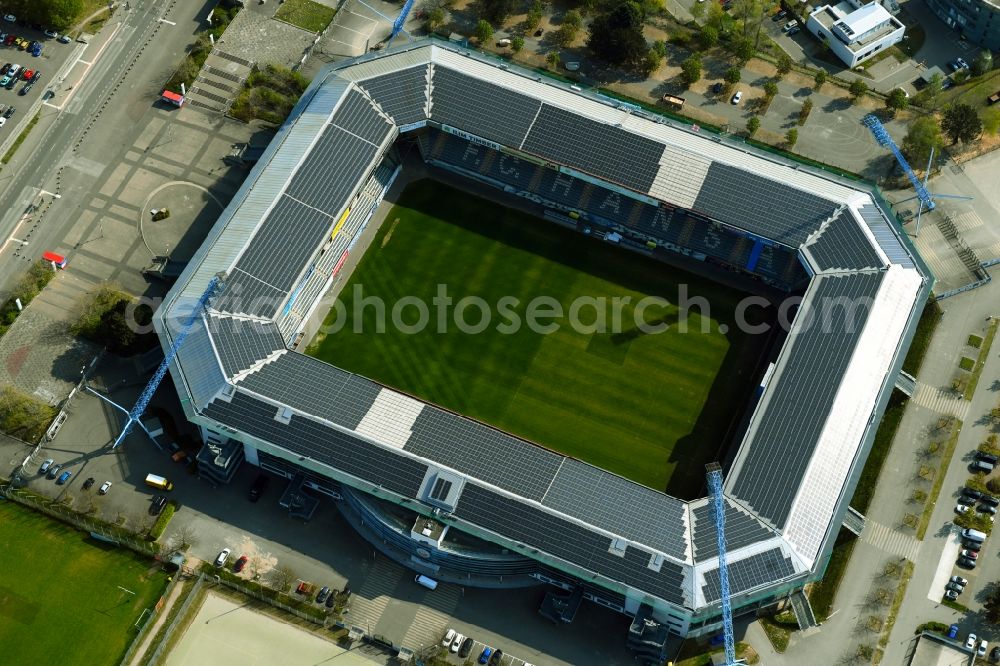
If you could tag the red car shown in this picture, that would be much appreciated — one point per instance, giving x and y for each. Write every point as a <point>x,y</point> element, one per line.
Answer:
<point>10,40</point>
<point>27,74</point>
<point>240,563</point>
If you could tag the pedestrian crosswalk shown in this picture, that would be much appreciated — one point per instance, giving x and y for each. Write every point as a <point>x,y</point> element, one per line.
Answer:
<point>369,601</point>
<point>938,400</point>
<point>433,615</point>
<point>889,540</point>
<point>966,221</point>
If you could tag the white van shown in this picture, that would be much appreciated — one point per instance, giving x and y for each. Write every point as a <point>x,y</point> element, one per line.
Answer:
<point>968,533</point>
<point>429,583</point>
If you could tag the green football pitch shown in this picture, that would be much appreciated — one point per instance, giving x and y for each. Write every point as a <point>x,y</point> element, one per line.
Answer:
<point>653,407</point>
<point>60,600</point>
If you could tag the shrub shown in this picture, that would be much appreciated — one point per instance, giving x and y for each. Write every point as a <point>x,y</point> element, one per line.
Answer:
<point>24,416</point>
<point>156,531</point>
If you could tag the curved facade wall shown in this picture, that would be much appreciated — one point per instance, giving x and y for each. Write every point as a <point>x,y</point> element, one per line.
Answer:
<point>977,20</point>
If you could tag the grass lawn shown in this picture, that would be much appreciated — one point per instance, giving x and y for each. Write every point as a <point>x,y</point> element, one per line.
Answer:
<point>651,407</point>
<point>59,596</point>
<point>306,14</point>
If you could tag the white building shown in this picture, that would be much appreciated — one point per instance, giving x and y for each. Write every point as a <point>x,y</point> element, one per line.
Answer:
<point>855,32</point>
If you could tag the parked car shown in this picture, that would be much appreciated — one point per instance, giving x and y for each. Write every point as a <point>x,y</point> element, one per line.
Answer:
<point>36,49</point>
<point>953,631</point>
<point>156,506</point>
<point>26,74</point>
<point>981,650</point>
<point>11,83</point>
<point>989,499</point>
<point>64,477</point>
<point>467,644</point>
<point>794,31</point>
<point>331,600</point>
<point>53,471</point>
<point>995,655</point>
<point>484,656</point>
<point>987,509</point>
<point>324,592</point>
<point>970,642</point>
<point>37,75</point>
<point>955,586</point>
<point>780,15</point>
<point>965,499</point>
<point>457,643</point>
<point>25,89</point>
<point>497,656</point>
<point>5,80</point>
<point>961,508</point>
<point>64,39</point>
<point>258,487</point>
<point>88,484</point>
<point>45,466</point>
<point>10,39</point>
<point>971,554</point>
<point>788,26</point>
<point>966,563</point>
<point>448,638</point>
<point>9,112</point>
<point>221,558</point>
<point>242,562</point>
<point>958,580</point>
<point>105,487</point>
<point>51,33</point>
<point>988,457</point>
<point>971,492</point>
<point>737,97</point>
<point>10,18</point>
<point>951,595</point>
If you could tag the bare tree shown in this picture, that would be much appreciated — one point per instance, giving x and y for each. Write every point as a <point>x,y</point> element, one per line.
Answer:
<point>185,536</point>
<point>282,577</point>
<point>254,567</point>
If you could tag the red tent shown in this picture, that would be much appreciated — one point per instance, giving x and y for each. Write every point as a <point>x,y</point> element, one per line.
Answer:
<point>172,98</point>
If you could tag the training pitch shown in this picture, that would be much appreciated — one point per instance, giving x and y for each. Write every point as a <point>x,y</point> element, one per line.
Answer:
<point>651,407</point>
<point>59,595</point>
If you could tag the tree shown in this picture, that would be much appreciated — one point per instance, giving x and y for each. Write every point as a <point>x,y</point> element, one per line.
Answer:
<point>753,124</point>
<point>691,69</point>
<point>652,63</point>
<point>282,577</point>
<point>553,59</point>
<point>961,123</point>
<point>709,36</point>
<point>807,107</point>
<point>791,137</point>
<point>784,63</point>
<point>484,31</point>
<point>516,44</point>
<point>660,48</point>
<point>497,11</point>
<point>534,15</point>
<point>982,63</point>
<point>570,28</point>
<point>929,95</point>
<point>59,14</point>
<point>858,89</point>
<point>733,76</point>
<point>991,604</point>
<point>744,49</point>
<point>616,36</point>
<point>896,100</point>
<point>698,11</point>
<point>436,18</point>
<point>770,89</point>
<point>820,78</point>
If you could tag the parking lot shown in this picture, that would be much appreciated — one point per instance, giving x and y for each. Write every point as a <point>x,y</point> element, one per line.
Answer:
<point>18,95</point>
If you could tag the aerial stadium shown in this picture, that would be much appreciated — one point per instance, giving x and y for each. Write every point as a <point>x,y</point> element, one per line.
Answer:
<point>570,189</point>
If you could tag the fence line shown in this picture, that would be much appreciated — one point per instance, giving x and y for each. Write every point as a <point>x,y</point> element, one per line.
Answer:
<point>150,623</point>
<point>168,633</point>
<point>253,591</point>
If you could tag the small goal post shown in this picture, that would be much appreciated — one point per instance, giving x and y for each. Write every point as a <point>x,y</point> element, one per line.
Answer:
<point>142,618</point>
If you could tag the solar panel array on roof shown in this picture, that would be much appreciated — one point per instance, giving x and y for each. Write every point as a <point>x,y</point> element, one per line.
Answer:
<point>333,394</point>
<point>483,452</point>
<point>601,150</point>
<point>747,574</point>
<point>844,245</point>
<point>332,170</point>
<point>246,294</point>
<point>243,342</point>
<point>760,205</point>
<point>741,530</point>
<point>539,529</point>
<point>284,243</point>
<point>481,108</point>
<point>800,401</point>
<point>306,437</point>
<point>619,506</point>
<point>401,94</point>
<point>887,239</point>
<point>357,115</point>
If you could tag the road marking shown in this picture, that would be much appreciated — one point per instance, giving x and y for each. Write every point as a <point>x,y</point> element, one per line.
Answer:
<point>163,20</point>
<point>940,401</point>
<point>889,540</point>
<point>79,59</point>
<point>945,566</point>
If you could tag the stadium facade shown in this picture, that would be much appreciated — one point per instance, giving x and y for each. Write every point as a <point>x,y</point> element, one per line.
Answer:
<point>485,507</point>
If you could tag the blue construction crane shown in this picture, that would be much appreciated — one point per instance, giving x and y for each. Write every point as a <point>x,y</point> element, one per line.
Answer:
<point>714,474</point>
<point>397,23</point>
<point>926,198</point>
<point>137,411</point>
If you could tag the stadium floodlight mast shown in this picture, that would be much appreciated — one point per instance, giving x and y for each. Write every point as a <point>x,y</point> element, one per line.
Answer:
<point>134,415</point>
<point>926,198</point>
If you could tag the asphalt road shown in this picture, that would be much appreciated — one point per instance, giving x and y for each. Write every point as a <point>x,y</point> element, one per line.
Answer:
<point>131,57</point>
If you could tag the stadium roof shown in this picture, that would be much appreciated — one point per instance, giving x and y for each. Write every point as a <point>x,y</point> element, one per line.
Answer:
<point>809,434</point>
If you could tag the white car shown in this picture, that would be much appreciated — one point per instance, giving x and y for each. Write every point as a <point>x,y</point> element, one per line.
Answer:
<point>105,487</point>
<point>223,556</point>
<point>961,508</point>
<point>737,97</point>
<point>459,639</point>
<point>448,638</point>
<point>958,580</point>
<point>981,652</point>
<point>10,18</point>
<point>970,642</point>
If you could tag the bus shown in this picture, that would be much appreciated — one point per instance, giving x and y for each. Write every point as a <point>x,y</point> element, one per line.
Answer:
<point>158,482</point>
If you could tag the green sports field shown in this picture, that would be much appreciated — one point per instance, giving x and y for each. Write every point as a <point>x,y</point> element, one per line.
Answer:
<point>59,600</point>
<point>634,403</point>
